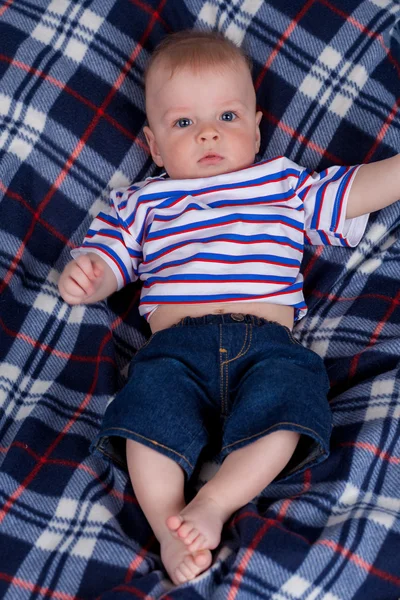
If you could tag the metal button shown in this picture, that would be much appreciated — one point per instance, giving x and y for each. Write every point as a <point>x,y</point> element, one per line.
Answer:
<point>237,317</point>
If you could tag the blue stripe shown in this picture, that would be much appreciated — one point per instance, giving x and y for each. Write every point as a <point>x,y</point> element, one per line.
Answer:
<point>109,219</point>
<point>321,191</point>
<point>278,239</point>
<point>110,252</point>
<point>225,186</point>
<point>221,278</point>
<point>338,199</point>
<point>176,215</point>
<point>223,258</point>
<point>227,220</point>
<point>113,233</point>
<point>210,297</point>
<point>267,199</point>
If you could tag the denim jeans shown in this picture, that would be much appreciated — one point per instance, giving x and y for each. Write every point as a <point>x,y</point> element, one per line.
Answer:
<point>220,381</point>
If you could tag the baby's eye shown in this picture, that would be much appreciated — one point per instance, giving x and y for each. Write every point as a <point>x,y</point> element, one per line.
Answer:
<point>228,116</point>
<point>181,123</point>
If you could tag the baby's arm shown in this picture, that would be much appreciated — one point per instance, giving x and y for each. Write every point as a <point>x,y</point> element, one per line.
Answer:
<point>375,186</point>
<point>86,280</point>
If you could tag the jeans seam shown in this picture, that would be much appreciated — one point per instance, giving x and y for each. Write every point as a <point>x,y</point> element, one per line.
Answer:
<point>243,349</point>
<point>154,442</point>
<point>147,342</point>
<point>221,369</point>
<point>264,432</point>
<point>292,338</point>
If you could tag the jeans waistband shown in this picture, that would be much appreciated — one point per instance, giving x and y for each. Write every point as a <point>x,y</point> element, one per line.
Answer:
<point>229,318</point>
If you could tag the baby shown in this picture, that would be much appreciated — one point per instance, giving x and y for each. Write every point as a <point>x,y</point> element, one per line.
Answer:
<point>218,244</point>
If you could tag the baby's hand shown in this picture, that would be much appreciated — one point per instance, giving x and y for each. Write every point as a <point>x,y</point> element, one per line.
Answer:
<point>81,279</point>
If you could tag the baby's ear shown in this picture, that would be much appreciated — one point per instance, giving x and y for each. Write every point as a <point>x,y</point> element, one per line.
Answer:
<point>151,140</point>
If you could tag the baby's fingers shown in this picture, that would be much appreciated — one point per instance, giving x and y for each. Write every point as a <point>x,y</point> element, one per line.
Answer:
<point>72,290</point>
<point>87,266</point>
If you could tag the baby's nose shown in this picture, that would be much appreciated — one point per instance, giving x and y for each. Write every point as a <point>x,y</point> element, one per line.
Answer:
<point>208,133</point>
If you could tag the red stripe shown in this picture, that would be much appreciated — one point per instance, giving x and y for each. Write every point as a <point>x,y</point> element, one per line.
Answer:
<point>286,503</point>
<point>286,34</point>
<point>383,131</point>
<point>292,133</point>
<point>283,293</point>
<point>375,450</point>
<point>65,88</point>
<point>223,224</point>
<point>371,34</point>
<point>376,333</point>
<point>360,562</point>
<point>183,244</point>
<point>37,589</point>
<point>53,231</point>
<point>241,568</point>
<point>6,5</point>
<point>114,260</point>
<point>150,285</point>
<point>349,181</point>
<point>53,351</point>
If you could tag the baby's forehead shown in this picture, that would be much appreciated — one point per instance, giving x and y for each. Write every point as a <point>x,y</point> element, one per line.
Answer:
<point>163,71</point>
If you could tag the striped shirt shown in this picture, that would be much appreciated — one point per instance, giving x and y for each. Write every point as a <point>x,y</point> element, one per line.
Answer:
<point>236,237</point>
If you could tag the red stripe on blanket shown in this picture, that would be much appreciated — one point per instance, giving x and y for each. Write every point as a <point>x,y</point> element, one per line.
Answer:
<point>4,8</point>
<point>240,571</point>
<point>25,204</point>
<point>71,464</point>
<point>365,30</point>
<point>375,450</point>
<point>286,503</point>
<point>154,13</point>
<point>337,548</point>
<point>50,350</point>
<point>394,303</point>
<point>286,34</point>
<point>45,592</point>
<point>301,138</point>
<point>38,73</point>
<point>360,562</point>
<point>383,130</point>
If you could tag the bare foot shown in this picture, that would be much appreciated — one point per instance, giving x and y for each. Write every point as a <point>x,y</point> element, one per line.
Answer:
<point>199,524</point>
<point>181,564</point>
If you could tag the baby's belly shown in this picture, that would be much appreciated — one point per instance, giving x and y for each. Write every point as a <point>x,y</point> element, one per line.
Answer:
<point>167,315</point>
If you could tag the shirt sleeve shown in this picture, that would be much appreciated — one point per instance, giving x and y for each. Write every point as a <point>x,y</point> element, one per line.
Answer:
<point>325,196</point>
<point>109,236</point>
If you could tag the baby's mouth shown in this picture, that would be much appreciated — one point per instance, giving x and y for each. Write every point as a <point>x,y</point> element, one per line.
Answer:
<point>211,158</point>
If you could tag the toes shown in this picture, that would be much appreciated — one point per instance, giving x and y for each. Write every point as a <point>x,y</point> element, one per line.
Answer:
<point>184,530</point>
<point>202,559</point>
<point>199,543</point>
<point>174,522</point>
<point>191,536</point>
<point>184,573</point>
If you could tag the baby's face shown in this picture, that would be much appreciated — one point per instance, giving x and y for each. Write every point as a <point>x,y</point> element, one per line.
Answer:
<point>202,124</point>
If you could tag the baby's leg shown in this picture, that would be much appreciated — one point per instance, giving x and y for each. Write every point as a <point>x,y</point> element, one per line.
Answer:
<point>158,483</point>
<point>242,476</point>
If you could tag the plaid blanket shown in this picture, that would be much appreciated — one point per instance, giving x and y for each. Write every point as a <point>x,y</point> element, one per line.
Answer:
<point>327,74</point>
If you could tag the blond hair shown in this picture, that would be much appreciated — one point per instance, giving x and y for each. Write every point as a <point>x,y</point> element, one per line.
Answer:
<point>196,50</point>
